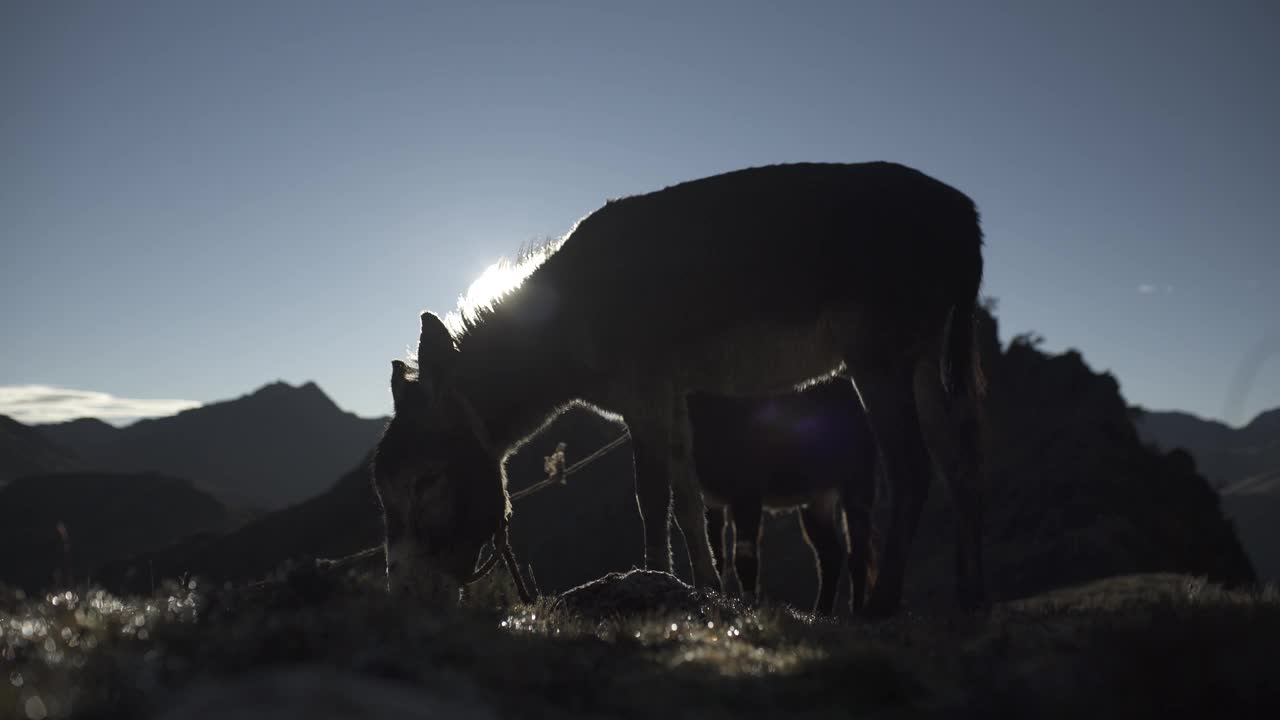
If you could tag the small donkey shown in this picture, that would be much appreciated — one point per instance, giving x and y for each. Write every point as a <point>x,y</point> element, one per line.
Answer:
<point>812,449</point>
<point>752,282</point>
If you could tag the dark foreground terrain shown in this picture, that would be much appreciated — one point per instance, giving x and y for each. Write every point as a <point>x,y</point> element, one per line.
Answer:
<point>327,645</point>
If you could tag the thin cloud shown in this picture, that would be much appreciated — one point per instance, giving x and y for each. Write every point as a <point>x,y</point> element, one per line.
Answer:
<point>1146,289</point>
<point>34,404</point>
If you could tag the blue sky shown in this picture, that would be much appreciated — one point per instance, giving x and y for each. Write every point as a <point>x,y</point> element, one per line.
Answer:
<point>198,198</point>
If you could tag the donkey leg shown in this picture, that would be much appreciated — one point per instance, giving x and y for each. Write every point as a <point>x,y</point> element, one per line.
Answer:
<point>746,551</point>
<point>728,534</point>
<point>858,497</point>
<point>651,454</point>
<point>690,510</point>
<point>827,539</point>
<point>888,396</point>
<point>951,432</point>
<point>715,531</point>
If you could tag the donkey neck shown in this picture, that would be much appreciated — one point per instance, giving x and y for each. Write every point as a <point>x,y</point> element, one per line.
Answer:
<point>519,378</point>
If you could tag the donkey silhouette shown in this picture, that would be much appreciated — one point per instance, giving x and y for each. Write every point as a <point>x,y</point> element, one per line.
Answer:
<point>751,282</point>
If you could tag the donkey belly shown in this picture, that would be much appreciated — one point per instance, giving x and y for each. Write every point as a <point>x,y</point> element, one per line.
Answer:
<point>766,358</point>
<point>798,485</point>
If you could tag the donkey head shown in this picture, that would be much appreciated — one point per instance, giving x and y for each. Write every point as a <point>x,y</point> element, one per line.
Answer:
<point>437,476</point>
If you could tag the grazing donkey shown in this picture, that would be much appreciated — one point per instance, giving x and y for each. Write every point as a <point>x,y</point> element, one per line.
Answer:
<point>752,282</point>
<point>811,449</point>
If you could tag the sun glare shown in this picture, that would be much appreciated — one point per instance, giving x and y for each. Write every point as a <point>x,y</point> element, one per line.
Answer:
<point>494,283</point>
<point>497,280</point>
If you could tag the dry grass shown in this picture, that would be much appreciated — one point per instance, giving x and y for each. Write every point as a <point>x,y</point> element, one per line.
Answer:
<point>1129,646</point>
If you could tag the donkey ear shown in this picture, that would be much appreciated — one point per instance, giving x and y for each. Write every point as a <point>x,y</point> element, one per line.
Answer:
<point>437,356</point>
<point>399,383</point>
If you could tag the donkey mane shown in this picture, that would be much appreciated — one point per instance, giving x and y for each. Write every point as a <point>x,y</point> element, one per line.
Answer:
<point>496,284</point>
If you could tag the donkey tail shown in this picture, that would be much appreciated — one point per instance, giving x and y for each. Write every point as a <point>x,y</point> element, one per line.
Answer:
<point>961,371</point>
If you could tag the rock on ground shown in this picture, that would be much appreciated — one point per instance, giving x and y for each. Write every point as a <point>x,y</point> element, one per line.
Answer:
<point>636,592</point>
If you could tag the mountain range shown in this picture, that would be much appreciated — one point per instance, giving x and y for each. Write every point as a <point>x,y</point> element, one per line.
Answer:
<point>79,495</point>
<point>1228,457</point>
<point>25,450</point>
<point>276,446</point>
<point>1080,489</point>
<point>1242,463</point>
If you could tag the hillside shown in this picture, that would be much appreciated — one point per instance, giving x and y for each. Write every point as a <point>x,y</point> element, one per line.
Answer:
<point>1243,464</point>
<point>276,446</point>
<point>24,450</point>
<point>334,523</point>
<point>104,516</point>
<point>1074,492</point>
<point>1227,456</point>
<point>1254,506</point>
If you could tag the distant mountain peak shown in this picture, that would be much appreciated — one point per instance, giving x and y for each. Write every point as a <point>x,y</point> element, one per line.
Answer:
<point>278,444</point>
<point>85,422</point>
<point>285,387</point>
<point>280,386</point>
<point>307,395</point>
